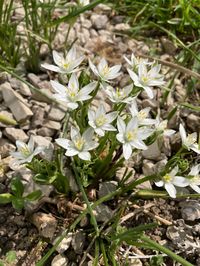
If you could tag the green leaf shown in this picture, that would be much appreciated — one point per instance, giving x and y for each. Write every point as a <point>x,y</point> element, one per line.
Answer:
<point>34,195</point>
<point>1,263</point>
<point>17,187</point>
<point>6,198</point>
<point>190,106</point>
<point>172,113</point>
<point>10,256</point>
<point>18,203</point>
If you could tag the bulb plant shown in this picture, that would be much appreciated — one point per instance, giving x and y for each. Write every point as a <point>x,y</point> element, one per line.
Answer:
<point>96,142</point>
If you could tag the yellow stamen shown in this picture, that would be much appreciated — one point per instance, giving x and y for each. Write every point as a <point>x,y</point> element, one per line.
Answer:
<point>167,178</point>
<point>100,120</point>
<point>79,143</point>
<point>131,135</point>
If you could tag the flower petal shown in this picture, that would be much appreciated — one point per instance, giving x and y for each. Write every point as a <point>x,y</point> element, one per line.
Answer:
<point>51,67</point>
<point>121,125</point>
<point>171,190</point>
<point>65,143</point>
<point>84,155</point>
<point>127,150</point>
<point>59,88</point>
<point>182,132</point>
<point>180,181</point>
<point>57,58</point>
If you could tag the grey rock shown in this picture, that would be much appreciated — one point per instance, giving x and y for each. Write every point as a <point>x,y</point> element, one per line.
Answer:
<point>153,152</point>
<point>15,134</point>
<point>190,210</point>
<point>99,21</point>
<point>78,242</point>
<point>193,122</point>
<point>106,188</point>
<point>148,167</point>
<point>52,124</point>
<point>6,147</point>
<point>34,79</point>
<point>59,260</point>
<point>144,185</point>
<point>24,89</point>
<point>16,103</point>
<point>38,117</point>
<point>64,244</point>
<point>103,213</point>
<point>56,114</point>
<point>122,27</point>
<point>46,132</point>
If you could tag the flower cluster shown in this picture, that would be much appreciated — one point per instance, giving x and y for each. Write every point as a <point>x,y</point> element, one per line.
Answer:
<point>130,126</point>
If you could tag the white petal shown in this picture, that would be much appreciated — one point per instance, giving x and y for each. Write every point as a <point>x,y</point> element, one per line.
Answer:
<point>195,188</point>
<point>132,124</point>
<point>76,63</point>
<point>88,134</point>
<point>182,132</point>
<point>74,133</point>
<point>174,171</point>
<point>133,76</point>
<point>71,55</point>
<point>84,155</point>
<point>120,138</point>
<point>91,145</point>
<point>171,190</point>
<point>195,170</point>
<point>59,88</point>
<point>57,58</point>
<point>133,108</point>
<point>87,89</point>
<point>31,144</point>
<point>159,183</point>
<point>139,144</point>
<point>102,64</point>
<point>17,155</point>
<point>71,152</point>
<point>149,91</point>
<point>195,147</point>
<point>127,150</point>
<point>108,127</point>
<point>51,67</point>
<point>73,83</point>
<point>65,143</point>
<point>72,105</point>
<point>169,132</point>
<point>20,144</point>
<point>114,72</point>
<point>93,68</point>
<point>127,60</point>
<point>111,116</point>
<point>91,115</point>
<point>99,132</point>
<point>180,181</point>
<point>121,125</point>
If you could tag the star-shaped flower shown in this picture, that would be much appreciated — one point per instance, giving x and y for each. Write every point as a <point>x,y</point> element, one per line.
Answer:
<point>100,121</point>
<point>64,65</point>
<point>79,144</point>
<point>190,140</point>
<point>71,94</point>
<point>105,72</point>
<point>26,152</point>
<point>131,136</point>
<point>147,79</point>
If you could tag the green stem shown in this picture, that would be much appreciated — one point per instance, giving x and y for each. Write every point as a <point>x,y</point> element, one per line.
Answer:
<point>93,219</point>
<point>166,251</point>
<point>96,257</point>
<point>145,193</point>
<point>105,259</point>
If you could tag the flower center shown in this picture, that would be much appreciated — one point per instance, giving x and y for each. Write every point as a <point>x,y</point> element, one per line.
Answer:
<point>79,143</point>
<point>144,80</point>
<point>105,70</point>
<point>195,179</point>
<point>65,64</point>
<point>100,120</point>
<point>167,178</point>
<point>120,93</point>
<point>142,115</point>
<point>131,135</point>
<point>25,151</point>
<point>190,140</point>
<point>163,125</point>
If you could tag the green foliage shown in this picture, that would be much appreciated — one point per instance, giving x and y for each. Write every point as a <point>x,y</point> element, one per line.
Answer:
<point>16,196</point>
<point>10,258</point>
<point>47,173</point>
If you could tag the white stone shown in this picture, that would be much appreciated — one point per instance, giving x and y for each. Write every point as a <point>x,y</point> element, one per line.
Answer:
<point>15,134</point>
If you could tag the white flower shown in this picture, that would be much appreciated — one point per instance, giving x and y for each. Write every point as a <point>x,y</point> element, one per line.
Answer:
<point>25,151</point>
<point>136,61</point>
<point>190,141</point>
<point>71,94</point>
<point>105,72</point>
<point>119,95</point>
<point>162,126</point>
<point>194,178</point>
<point>65,65</point>
<point>170,180</point>
<point>84,2</point>
<point>131,136</point>
<point>100,121</point>
<point>141,115</point>
<point>79,144</point>
<point>147,79</point>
